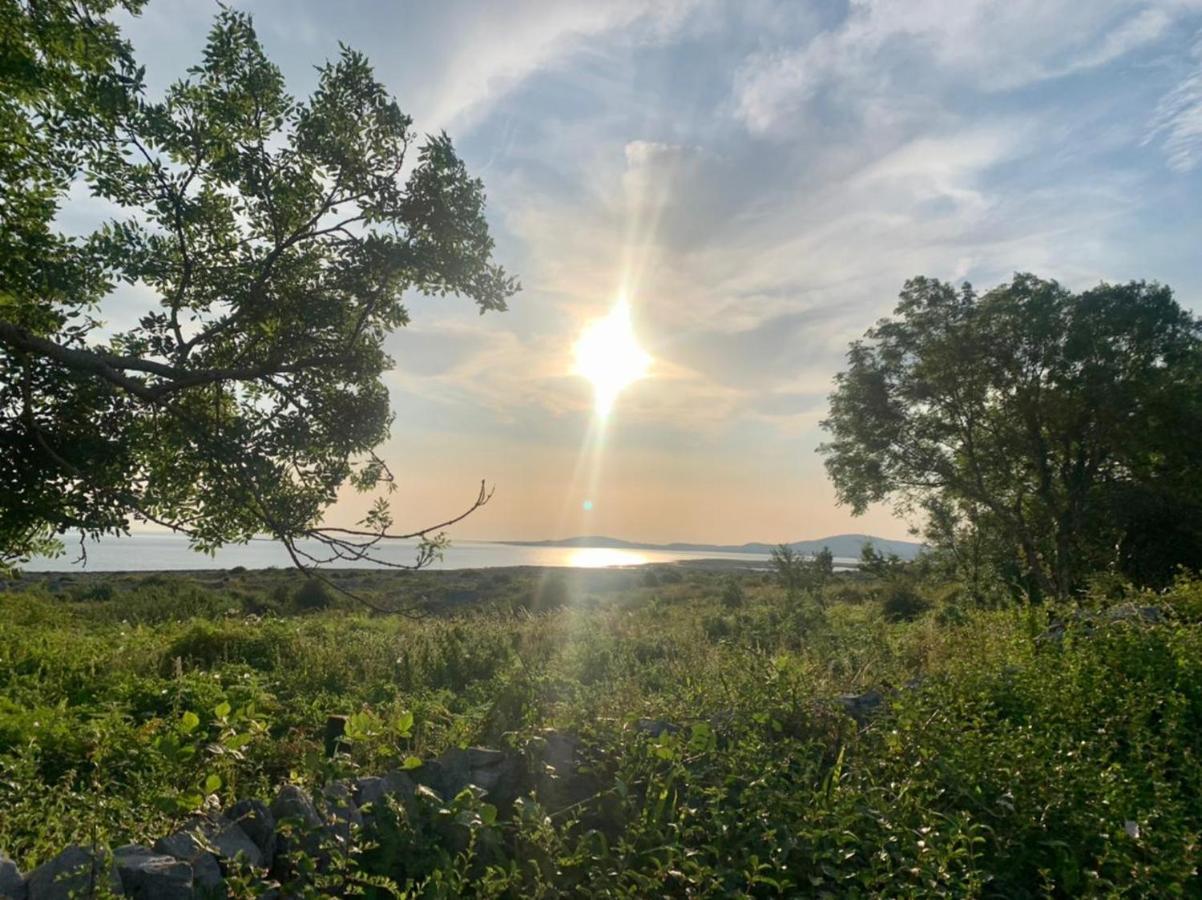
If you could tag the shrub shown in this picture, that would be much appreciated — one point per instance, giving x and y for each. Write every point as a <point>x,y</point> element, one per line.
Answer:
<point>732,594</point>
<point>902,602</point>
<point>313,594</point>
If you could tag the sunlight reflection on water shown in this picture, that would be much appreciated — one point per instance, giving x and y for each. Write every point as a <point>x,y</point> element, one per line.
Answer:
<point>599,557</point>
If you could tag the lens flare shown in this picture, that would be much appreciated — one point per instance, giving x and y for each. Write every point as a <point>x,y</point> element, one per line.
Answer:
<point>609,356</point>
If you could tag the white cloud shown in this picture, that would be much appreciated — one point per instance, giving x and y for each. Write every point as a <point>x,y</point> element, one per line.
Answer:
<point>497,46</point>
<point>994,45</point>
<point>1178,118</point>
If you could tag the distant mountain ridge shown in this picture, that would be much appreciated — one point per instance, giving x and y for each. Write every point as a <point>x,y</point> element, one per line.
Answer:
<point>842,545</point>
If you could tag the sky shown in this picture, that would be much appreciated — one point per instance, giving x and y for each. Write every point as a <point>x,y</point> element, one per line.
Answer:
<point>758,178</point>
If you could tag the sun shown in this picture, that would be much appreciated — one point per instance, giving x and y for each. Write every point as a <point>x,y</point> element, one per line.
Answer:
<point>609,356</point>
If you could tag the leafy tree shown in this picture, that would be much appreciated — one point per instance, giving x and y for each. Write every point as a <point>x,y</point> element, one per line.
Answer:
<point>878,564</point>
<point>1042,428</point>
<point>276,238</point>
<point>796,573</point>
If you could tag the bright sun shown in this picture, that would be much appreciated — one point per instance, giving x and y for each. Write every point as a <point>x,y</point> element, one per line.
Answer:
<point>608,355</point>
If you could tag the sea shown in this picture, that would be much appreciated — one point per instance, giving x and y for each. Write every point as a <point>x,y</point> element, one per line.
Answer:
<point>156,552</point>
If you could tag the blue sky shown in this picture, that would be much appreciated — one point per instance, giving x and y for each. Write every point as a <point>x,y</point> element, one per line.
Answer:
<point>760,177</point>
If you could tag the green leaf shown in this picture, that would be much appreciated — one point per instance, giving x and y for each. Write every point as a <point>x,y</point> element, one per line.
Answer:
<point>191,801</point>
<point>221,710</point>
<point>189,722</point>
<point>212,784</point>
<point>411,762</point>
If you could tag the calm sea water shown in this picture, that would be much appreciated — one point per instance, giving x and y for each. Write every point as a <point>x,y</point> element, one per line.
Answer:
<point>150,552</point>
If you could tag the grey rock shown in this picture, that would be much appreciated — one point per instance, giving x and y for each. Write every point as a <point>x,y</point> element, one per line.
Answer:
<point>369,790</point>
<point>491,770</point>
<point>254,818</point>
<point>861,706</point>
<point>293,802</point>
<point>206,870</point>
<point>430,774</point>
<point>233,843</point>
<point>374,789</point>
<point>560,752</point>
<point>145,873</point>
<point>558,781</point>
<point>1152,615</point>
<point>210,845</point>
<point>76,871</point>
<point>342,815</point>
<point>340,802</point>
<point>12,885</point>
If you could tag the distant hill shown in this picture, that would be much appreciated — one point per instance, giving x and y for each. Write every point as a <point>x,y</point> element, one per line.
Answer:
<point>842,545</point>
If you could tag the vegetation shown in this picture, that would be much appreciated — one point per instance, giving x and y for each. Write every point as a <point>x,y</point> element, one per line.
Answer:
<point>1043,435</point>
<point>1006,760</point>
<point>276,236</point>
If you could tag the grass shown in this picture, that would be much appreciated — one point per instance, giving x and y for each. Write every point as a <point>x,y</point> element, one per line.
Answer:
<point>1002,765</point>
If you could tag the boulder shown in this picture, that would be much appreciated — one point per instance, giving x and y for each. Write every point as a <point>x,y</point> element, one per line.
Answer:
<point>861,706</point>
<point>342,816</point>
<point>373,789</point>
<point>368,791</point>
<point>206,870</point>
<point>496,773</point>
<point>12,885</point>
<point>256,820</point>
<point>292,802</point>
<point>430,774</point>
<point>558,781</point>
<point>77,871</point>
<point>211,834</point>
<point>155,876</point>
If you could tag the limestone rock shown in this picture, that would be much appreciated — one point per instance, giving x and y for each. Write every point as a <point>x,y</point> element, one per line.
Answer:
<point>342,816</point>
<point>76,871</point>
<point>498,774</point>
<point>293,802</point>
<point>147,874</point>
<point>861,706</point>
<point>256,820</point>
<point>12,885</point>
<point>295,805</point>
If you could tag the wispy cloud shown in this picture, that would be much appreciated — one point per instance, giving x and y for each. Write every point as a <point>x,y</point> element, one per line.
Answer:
<point>1178,118</point>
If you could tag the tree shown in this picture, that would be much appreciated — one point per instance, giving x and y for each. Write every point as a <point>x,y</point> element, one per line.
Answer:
<point>276,238</point>
<point>1029,423</point>
<point>797,573</point>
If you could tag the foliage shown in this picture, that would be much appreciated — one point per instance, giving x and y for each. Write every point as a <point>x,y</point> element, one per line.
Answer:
<point>1011,765</point>
<point>276,236</point>
<point>1037,429</point>
<point>796,573</point>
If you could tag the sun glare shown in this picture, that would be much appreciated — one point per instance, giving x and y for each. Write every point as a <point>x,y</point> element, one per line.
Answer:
<point>609,356</point>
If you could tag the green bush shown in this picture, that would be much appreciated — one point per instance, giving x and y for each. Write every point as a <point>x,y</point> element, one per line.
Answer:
<point>313,594</point>
<point>732,594</point>
<point>903,602</point>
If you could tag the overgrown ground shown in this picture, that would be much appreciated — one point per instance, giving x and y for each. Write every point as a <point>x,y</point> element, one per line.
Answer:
<point>1002,765</point>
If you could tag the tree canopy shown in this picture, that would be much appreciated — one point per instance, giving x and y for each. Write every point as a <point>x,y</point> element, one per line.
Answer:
<point>1042,433</point>
<point>273,238</point>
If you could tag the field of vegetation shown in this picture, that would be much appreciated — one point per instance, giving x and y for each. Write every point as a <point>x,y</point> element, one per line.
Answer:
<point>1008,750</point>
